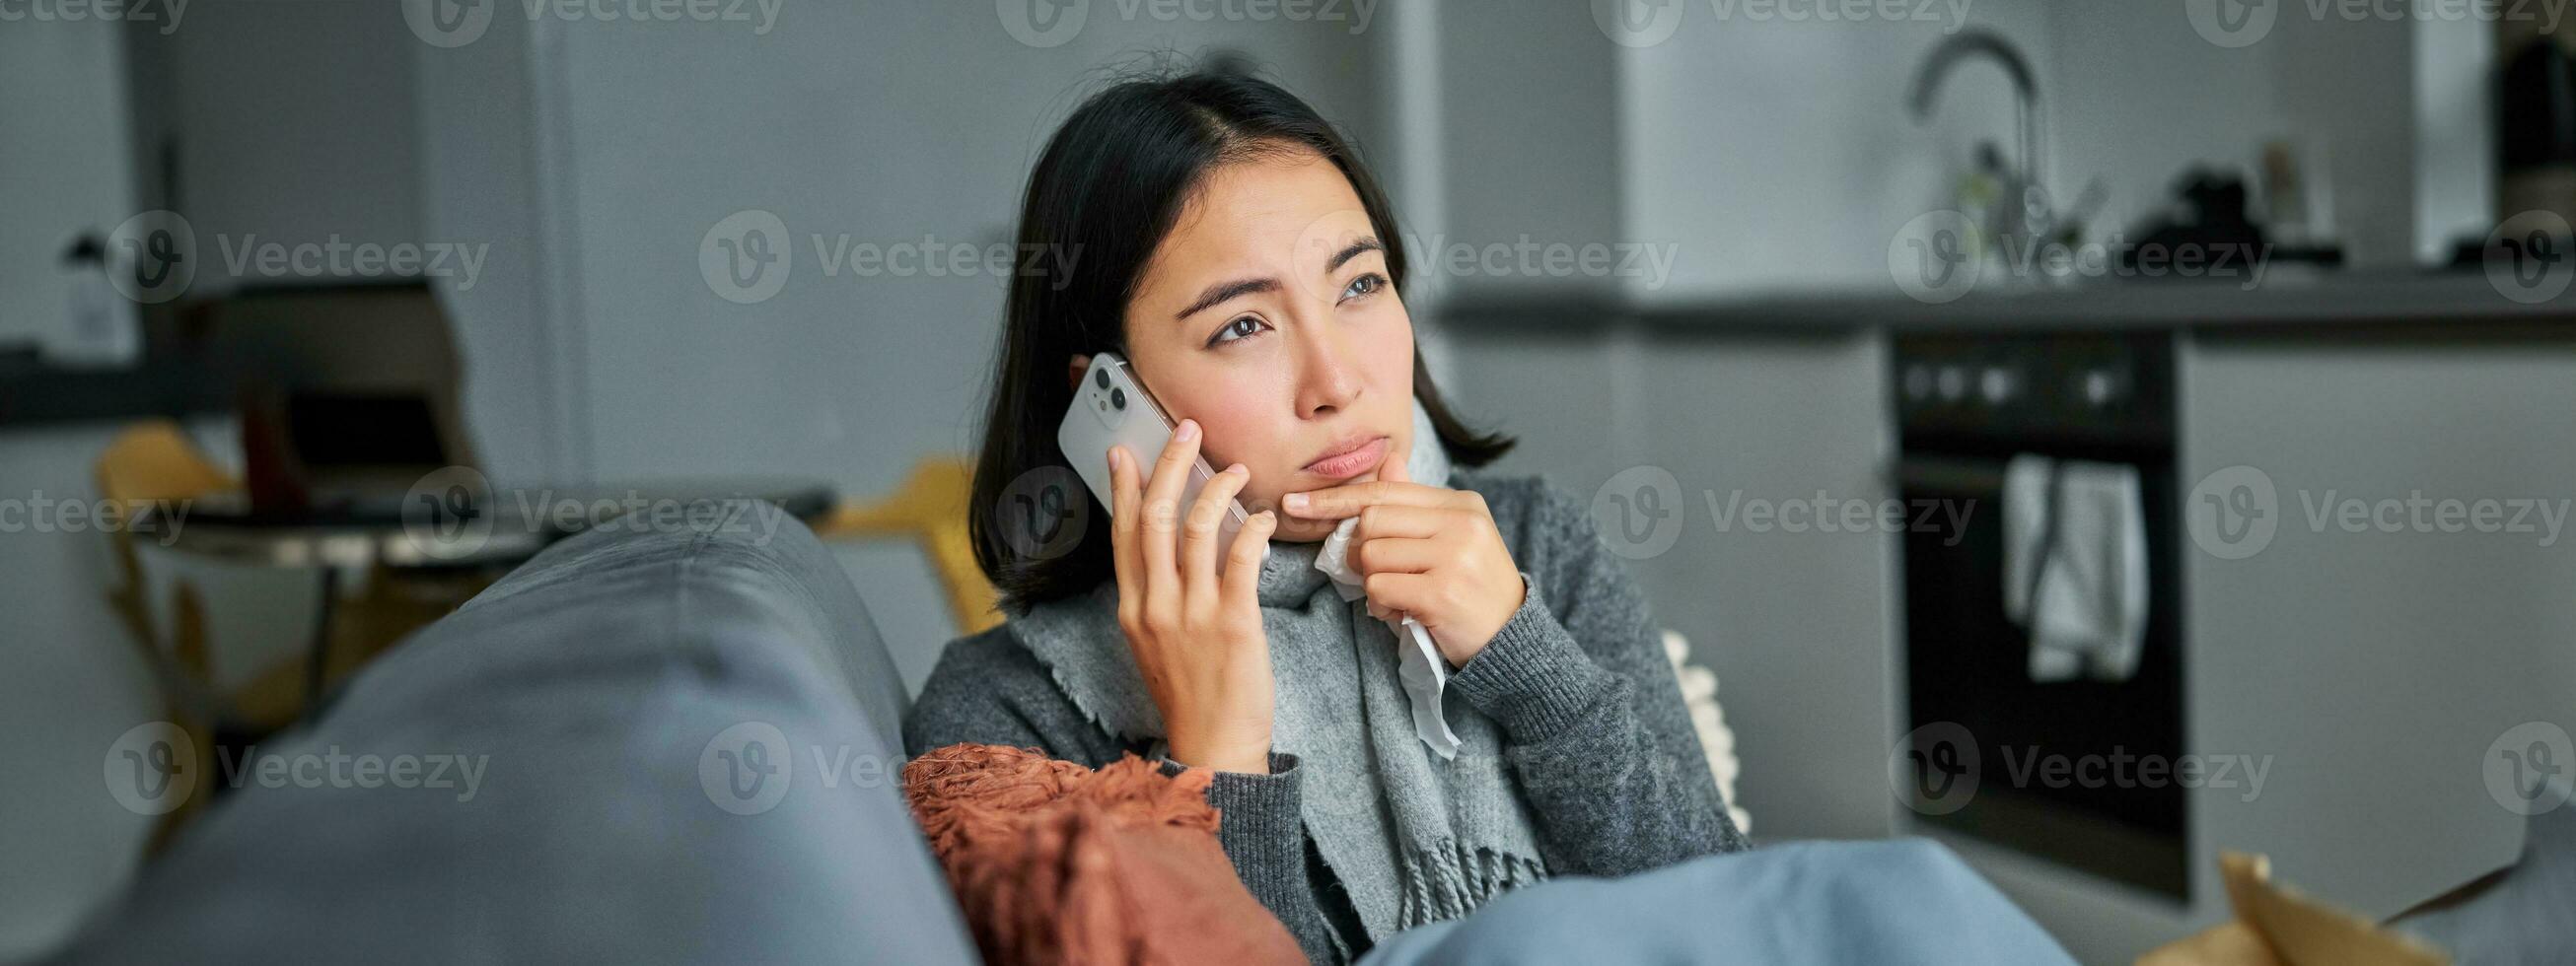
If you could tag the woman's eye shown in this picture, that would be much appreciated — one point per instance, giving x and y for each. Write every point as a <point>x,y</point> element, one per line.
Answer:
<point>1364,285</point>
<point>1242,328</point>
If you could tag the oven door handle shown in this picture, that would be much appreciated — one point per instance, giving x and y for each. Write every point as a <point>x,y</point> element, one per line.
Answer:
<point>1949,474</point>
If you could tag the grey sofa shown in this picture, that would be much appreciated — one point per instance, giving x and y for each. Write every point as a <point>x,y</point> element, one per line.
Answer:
<point>690,753</point>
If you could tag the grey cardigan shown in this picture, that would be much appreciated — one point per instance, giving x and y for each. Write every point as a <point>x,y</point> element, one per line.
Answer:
<point>1594,726</point>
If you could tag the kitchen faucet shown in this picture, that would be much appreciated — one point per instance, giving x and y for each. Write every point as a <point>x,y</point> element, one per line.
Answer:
<point>2026,213</point>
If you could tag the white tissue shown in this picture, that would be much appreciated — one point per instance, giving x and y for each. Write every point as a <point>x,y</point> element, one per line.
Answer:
<point>1424,672</point>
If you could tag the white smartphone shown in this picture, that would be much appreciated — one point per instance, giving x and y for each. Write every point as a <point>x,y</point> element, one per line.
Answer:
<point>1113,408</point>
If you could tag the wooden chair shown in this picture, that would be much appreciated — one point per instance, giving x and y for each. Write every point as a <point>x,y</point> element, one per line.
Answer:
<point>146,464</point>
<point>930,509</point>
<point>154,462</point>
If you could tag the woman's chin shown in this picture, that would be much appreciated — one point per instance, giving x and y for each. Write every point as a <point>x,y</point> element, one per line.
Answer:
<point>1299,530</point>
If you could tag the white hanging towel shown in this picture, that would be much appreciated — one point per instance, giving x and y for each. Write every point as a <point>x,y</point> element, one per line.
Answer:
<point>2075,566</point>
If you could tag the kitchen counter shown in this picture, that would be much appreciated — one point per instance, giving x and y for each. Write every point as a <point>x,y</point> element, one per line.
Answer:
<point>34,393</point>
<point>2413,305</point>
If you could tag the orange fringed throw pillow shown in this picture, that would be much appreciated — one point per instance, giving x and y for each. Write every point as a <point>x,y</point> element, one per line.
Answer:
<point>1056,863</point>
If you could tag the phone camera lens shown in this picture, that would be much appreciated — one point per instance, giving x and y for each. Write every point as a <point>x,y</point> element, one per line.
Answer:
<point>1100,378</point>
<point>1118,399</point>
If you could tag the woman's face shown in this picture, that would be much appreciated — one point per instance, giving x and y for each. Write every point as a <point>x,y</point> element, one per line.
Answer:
<point>1267,315</point>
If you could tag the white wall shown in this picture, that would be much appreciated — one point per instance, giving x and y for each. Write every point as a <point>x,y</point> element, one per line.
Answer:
<point>72,679</point>
<point>1527,142</point>
<point>67,161</point>
<point>2379,667</point>
<point>293,122</point>
<point>885,123</point>
<point>2145,95</point>
<point>69,685</point>
<point>1796,625</point>
<point>1781,154</point>
<point>480,153</point>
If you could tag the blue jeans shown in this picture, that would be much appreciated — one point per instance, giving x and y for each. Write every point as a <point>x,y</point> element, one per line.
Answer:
<point>1894,902</point>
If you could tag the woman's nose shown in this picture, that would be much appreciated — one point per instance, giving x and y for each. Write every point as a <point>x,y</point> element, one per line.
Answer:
<point>1329,380</point>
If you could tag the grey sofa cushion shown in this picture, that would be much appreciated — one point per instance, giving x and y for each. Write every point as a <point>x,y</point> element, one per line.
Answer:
<point>688,752</point>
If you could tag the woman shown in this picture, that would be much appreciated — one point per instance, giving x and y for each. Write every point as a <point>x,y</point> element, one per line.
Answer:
<point>1232,247</point>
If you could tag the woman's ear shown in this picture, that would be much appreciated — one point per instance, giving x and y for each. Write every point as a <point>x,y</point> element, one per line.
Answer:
<point>1074,368</point>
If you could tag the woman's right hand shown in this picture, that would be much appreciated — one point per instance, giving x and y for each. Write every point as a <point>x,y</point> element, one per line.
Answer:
<point>1197,638</point>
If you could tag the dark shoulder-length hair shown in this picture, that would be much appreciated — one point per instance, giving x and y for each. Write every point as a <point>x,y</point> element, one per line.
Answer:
<point>1106,190</point>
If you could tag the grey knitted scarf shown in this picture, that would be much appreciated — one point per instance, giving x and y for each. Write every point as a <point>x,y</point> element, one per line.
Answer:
<point>1412,838</point>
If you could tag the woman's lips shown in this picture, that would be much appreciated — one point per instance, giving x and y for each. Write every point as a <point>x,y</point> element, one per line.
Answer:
<point>1351,463</point>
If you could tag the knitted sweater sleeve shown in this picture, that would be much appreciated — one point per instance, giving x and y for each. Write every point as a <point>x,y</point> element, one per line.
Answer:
<point>988,689</point>
<point>1594,723</point>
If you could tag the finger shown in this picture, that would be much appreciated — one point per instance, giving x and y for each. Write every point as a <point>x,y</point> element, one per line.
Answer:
<point>1122,524</point>
<point>1394,468</point>
<point>1397,556</point>
<point>1401,522</point>
<point>1243,563</point>
<point>1205,526</point>
<point>1334,503</point>
<point>1401,591</point>
<point>1162,513</point>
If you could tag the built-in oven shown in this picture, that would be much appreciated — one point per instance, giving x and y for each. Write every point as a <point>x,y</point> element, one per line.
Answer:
<point>2057,769</point>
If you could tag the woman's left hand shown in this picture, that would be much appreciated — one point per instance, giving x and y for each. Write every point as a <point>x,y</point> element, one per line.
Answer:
<point>1427,551</point>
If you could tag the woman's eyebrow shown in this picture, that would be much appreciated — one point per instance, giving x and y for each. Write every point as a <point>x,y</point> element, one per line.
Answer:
<point>1224,291</point>
<point>1352,251</point>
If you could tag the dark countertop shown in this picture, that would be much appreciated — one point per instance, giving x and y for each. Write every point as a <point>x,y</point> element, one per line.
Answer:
<point>35,393</point>
<point>197,354</point>
<point>2415,305</point>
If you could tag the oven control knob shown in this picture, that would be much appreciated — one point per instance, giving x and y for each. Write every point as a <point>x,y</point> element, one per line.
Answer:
<point>1954,383</point>
<point>1997,384</point>
<point>2102,388</point>
<point>1918,382</point>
